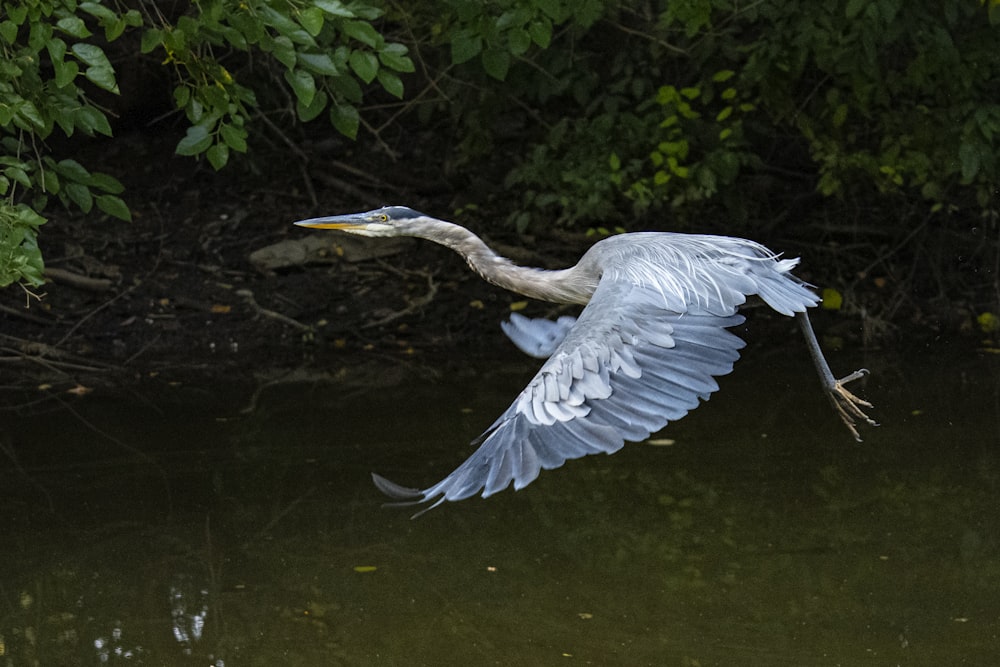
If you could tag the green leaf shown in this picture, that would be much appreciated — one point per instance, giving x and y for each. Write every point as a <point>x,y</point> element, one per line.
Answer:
<point>151,39</point>
<point>345,118</point>
<point>29,112</point>
<point>541,33</point>
<point>215,98</point>
<point>50,181</point>
<point>18,12</point>
<point>114,206</point>
<point>364,64</point>
<point>496,63</point>
<point>839,115</point>
<point>237,39</point>
<point>90,120</point>
<point>303,85</point>
<point>321,63</point>
<point>347,87</point>
<point>73,25</point>
<point>99,11</point>
<point>968,157</point>
<point>196,141</point>
<point>218,155</point>
<point>392,83</point>
<point>284,51</point>
<point>102,77</point>
<point>363,32</point>
<point>706,179</point>
<point>19,175</point>
<point>73,170</point>
<point>107,183</point>
<point>510,19</point>
<point>854,8</point>
<point>65,72</point>
<point>312,19</point>
<point>79,195</point>
<point>195,110</point>
<point>308,113</point>
<point>57,50</point>
<point>91,55</point>
<point>394,57</point>
<point>114,30</point>
<point>551,8</point>
<point>334,8</point>
<point>235,137</point>
<point>26,216</point>
<point>278,20</point>
<point>182,95</point>
<point>519,41</point>
<point>8,31</point>
<point>133,18</point>
<point>465,46</point>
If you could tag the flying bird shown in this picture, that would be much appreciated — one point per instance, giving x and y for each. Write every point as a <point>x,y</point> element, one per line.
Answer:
<point>646,348</point>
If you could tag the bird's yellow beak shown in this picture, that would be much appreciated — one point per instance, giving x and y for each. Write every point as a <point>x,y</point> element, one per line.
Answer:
<point>342,222</point>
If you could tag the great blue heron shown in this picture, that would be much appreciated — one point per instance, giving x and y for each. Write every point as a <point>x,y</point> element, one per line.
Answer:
<point>645,349</point>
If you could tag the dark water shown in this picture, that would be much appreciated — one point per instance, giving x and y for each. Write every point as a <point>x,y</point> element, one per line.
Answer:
<point>169,528</point>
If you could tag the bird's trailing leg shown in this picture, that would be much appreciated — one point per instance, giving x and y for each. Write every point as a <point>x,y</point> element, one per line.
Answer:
<point>847,405</point>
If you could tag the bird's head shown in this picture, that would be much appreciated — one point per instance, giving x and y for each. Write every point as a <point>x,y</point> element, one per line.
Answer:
<point>385,221</point>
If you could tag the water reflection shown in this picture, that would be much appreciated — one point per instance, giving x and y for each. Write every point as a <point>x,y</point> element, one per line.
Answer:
<point>188,612</point>
<point>763,535</point>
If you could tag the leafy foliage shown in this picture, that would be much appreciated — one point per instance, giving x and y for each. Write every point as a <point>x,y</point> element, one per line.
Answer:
<point>901,95</point>
<point>595,112</point>
<point>42,57</point>
<point>325,50</point>
<point>51,64</point>
<point>498,33</point>
<point>857,96</point>
<point>20,258</point>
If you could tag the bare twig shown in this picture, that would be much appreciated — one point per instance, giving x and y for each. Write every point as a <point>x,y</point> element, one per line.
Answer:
<point>79,323</point>
<point>95,311</point>
<point>343,186</point>
<point>54,365</point>
<point>303,169</point>
<point>292,146</point>
<point>76,280</point>
<point>413,304</point>
<point>656,40</point>
<point>24,315</point>
<point>266,312</point>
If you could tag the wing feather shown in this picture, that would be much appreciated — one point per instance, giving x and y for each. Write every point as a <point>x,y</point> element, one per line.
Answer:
<point>624,370</point>
<point>644,352</point>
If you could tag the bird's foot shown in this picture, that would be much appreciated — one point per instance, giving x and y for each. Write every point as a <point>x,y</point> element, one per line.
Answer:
<point>848,406</point>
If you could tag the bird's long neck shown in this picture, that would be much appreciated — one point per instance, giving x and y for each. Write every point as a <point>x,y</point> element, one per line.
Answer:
<point>561,286</point>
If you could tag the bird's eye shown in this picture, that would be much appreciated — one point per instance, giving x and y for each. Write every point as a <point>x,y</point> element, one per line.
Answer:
<point>383,217</point>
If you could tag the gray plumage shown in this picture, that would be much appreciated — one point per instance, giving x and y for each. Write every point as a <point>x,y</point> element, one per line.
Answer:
<point>537,337</point>
<point>644,352</point>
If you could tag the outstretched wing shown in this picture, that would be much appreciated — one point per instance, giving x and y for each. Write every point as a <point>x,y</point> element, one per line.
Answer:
<point>627,367</point>
<point>537,337</point>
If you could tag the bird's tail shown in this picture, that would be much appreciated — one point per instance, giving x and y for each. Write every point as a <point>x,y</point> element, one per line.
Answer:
<point>783,291</point>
